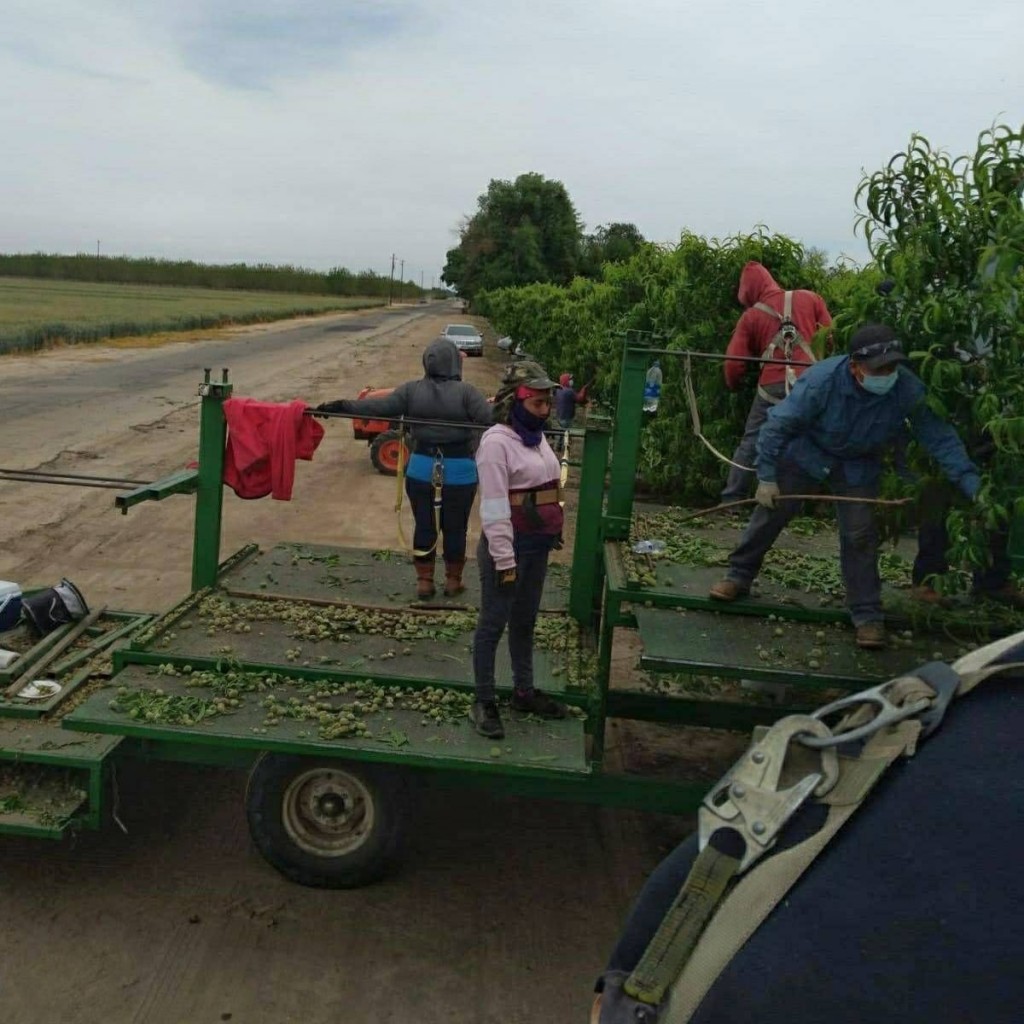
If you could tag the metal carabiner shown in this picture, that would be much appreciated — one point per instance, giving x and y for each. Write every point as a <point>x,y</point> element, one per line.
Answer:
<point>748,799</point>
<point>887,714</point>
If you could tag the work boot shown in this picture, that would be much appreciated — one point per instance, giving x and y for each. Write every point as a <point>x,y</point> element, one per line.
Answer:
<point>728,590</point>
<point>929,595</point>
<point>1009,594</point>
<point>533,702</point>
<point>453,585</point>
<point>871,636</point>
<point>424,578</point>
<point>486,720</point>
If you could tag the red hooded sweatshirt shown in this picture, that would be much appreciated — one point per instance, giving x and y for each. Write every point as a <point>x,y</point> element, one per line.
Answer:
<point>756,328</point>
<point>264,440</point>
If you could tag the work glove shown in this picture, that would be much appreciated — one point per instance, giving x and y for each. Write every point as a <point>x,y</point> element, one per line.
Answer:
<point>971,486</point>
<point>766,493</point>
<point>327,407</point>
<point>507,579</point>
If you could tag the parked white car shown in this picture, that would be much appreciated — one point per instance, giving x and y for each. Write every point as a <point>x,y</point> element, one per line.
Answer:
<point>466,338</point>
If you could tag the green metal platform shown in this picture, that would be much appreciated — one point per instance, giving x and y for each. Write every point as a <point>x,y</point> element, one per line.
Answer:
<point>446,661</point>
<point>341,575</point>
<point>775,650</point>
<point>50,779</point>
<point>530,747</point>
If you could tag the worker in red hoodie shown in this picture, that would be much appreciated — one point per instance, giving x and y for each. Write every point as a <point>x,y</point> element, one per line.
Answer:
<point>776,324</point>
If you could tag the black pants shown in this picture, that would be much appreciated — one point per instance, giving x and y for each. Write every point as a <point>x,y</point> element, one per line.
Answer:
<point>516,608</point>
<point>932,541</point>
<point>456,503</point>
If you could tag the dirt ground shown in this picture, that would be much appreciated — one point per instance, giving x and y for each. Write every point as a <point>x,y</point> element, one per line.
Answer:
<point>504,910</point>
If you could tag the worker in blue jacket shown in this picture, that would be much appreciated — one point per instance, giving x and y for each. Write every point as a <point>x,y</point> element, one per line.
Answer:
<point>833,429</point>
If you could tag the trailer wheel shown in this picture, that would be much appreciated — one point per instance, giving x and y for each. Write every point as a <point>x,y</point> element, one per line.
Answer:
<point>326,823</point>
<point>385,450</point>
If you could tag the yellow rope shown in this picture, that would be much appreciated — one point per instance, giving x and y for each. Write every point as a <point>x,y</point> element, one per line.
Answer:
<point>400,479</point>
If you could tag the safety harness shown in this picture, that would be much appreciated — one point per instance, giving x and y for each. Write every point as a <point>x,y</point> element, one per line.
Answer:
<point>793,762</point>
<point>787,338</point>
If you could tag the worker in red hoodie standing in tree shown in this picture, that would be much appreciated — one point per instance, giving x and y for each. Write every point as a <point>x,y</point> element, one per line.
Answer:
<point>776,324</point>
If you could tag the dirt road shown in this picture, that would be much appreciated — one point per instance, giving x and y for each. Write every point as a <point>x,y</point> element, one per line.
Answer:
<point>504,909</point>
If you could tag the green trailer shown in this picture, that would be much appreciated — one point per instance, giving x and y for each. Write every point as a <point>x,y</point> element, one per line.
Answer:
<point>307,666</point>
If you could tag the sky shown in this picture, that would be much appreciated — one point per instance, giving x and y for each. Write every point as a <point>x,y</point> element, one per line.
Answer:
<point>325,133</point>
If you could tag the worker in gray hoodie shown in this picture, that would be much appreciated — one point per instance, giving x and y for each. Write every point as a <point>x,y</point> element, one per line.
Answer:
<point>441,458</point>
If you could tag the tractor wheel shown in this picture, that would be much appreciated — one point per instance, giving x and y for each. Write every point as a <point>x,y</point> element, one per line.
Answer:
<point>385,450</point>
<point>325,822</point>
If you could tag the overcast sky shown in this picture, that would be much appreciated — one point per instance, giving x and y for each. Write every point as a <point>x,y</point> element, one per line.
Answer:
<point>334,132</point>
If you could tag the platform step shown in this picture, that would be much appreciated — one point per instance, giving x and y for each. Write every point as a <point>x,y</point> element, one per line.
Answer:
<point>362,576</point>
<point>398,734</point>
<point>774,650</point>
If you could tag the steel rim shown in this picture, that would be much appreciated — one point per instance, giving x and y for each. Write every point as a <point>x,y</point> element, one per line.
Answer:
<point>328,812</point>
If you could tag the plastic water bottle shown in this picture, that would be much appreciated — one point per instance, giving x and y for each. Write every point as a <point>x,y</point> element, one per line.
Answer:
<point>649,547</point>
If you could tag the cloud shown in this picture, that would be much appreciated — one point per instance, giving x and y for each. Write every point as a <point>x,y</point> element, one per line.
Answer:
<point>337,133</point>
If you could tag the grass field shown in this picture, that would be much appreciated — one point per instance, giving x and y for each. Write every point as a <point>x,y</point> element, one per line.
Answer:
<point>36,313</point>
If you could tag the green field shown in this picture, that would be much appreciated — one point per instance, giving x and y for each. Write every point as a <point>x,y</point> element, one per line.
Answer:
<point>36,313</point>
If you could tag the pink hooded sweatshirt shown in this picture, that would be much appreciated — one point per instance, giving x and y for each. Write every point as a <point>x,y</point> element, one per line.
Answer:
<point>506,465</point>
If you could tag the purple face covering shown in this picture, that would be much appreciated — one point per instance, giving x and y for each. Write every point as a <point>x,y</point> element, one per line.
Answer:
<point>529,427</point>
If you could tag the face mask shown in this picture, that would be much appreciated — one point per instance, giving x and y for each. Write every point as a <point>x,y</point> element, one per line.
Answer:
<point>879,385</point>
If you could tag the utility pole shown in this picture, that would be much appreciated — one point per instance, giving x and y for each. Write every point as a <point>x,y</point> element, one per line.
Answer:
<point>421,281</point>
<point>391,280</point>
<point>401,281</point>
<point>97,248</point>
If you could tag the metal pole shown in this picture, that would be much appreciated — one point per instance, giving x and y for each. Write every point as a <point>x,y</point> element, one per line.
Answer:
<point>210,488</point>
<point>401,282</point>
<point>391,279</point>
<point>587,554</point>
<point>626,440</point>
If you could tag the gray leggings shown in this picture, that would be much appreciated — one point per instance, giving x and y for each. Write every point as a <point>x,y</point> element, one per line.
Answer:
<point>516,608</point>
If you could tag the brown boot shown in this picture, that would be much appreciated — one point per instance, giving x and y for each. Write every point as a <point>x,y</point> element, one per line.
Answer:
<point>728,590</point>
<point>453,585</point>
<point>1009,594</point>
<point>424,578</point>
<point>871,636</point>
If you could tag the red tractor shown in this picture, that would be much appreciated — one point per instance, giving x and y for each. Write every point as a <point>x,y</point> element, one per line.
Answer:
<point>385,443</point>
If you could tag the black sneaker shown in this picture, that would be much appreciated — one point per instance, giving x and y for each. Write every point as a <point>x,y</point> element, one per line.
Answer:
<point>486,720</point>
<point>533,702</point>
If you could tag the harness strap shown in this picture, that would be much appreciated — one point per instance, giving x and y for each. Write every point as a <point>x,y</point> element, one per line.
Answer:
<point>756,895</point>
<point>691,401</point>
<point>548,496</point>
<point>786,316</point>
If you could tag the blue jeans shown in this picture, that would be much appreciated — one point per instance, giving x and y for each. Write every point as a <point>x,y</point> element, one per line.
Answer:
<point>858,540</point>
<point>517,608</point>
<point>740,481</point>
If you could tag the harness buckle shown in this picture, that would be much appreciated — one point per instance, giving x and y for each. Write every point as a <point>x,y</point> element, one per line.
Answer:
<point>749,800</point>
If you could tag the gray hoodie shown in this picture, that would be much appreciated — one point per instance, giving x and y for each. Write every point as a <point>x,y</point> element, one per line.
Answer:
<point>440,394</point>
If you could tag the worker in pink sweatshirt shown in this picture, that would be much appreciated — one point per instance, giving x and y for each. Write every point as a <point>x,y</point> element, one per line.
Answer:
<point>522,522</point>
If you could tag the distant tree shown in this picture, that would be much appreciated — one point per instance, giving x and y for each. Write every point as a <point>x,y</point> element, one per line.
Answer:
<point>523,231</point>
<point>612,243</point>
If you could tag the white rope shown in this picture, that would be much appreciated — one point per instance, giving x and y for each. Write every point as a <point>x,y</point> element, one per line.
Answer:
<point>691,399</point>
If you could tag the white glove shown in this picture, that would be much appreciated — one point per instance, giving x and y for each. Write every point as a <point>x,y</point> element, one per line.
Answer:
<point>766,493</point>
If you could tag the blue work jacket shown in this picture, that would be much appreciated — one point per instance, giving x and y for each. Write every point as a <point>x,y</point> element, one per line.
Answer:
<point>829,421</point>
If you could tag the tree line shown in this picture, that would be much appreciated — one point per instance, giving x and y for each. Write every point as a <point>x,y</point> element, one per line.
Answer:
<point>191,274</point>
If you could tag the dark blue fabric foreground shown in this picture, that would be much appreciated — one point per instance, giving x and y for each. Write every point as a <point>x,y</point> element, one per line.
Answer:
<point>912,914</point>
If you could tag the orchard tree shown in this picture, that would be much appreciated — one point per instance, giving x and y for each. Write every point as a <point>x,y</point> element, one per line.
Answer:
<point>523,231</point>
<point>948,233</point>
<point>612,243</point>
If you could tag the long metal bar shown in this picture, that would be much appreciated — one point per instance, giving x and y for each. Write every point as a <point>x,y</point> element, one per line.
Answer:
<point>419,421</point>
<point>19,478</point>
<point>72,476</point>
<point>721,356</point>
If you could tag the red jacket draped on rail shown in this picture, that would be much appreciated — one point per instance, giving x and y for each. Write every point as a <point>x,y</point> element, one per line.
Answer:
<point>756,328</point>
<point>264,440</point>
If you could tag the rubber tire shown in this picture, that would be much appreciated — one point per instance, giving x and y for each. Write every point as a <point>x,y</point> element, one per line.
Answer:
<point>380,453</point>
<point>371,861</point>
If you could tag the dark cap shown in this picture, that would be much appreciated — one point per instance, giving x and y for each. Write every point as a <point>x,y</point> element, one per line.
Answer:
<point>874,346</point>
